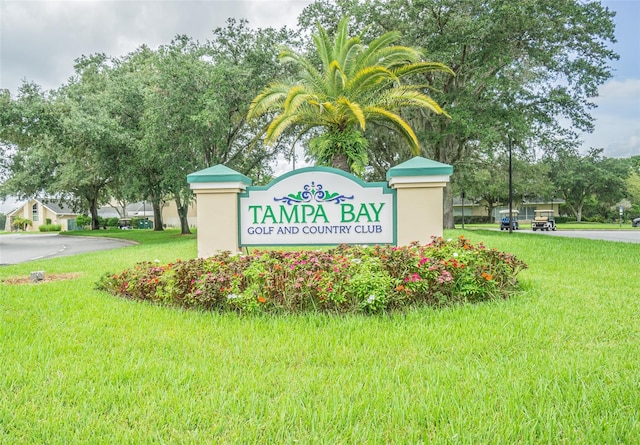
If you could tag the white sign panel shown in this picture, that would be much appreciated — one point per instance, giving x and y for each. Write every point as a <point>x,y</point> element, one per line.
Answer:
<point>317,206</point>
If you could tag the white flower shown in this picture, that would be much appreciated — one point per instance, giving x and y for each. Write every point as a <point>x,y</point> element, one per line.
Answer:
<point>455,254</point>
<point>232,296</point>
<point>156,260</point>
<point>449,240</point>
<point>356,260</point>
<point>371,299</point>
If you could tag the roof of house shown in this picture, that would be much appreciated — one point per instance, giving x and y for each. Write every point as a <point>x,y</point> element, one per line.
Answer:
<point>55,206</point>
<point>134,209</point>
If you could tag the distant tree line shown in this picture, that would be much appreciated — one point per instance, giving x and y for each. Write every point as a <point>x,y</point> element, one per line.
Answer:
<point>592,186</point>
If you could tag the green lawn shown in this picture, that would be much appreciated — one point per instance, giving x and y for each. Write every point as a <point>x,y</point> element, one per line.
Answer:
<point>556,364</point>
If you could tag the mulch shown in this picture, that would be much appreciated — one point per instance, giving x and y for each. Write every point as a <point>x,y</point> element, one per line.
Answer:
<point>48,277</point>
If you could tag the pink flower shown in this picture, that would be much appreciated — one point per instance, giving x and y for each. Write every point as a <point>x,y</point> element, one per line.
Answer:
<point>412,278</point>
<point>445,277</point>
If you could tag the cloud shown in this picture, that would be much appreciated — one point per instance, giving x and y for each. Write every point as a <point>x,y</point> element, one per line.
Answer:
<point>620,89</point>
<point>625,146</point>
<point>617,119</point>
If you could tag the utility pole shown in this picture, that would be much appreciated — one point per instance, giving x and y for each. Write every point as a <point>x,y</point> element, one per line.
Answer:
<point>510,187</point>
<point>463,210</point>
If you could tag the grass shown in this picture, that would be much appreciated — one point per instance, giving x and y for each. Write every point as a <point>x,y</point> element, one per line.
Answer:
<point>555,364</point>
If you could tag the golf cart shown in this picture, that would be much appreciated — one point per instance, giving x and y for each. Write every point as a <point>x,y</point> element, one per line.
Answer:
<point>125,224</point>
<point>543,220</point>
<point>504,220</point>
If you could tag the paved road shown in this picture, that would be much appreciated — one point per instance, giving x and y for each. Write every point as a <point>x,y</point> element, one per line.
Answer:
<point>20,248</point>
<point>627,236</point>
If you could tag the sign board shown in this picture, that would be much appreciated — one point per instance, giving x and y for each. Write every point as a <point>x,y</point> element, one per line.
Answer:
<point>317,206</point>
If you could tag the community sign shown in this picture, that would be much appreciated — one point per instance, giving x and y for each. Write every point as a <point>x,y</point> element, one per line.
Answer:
<point>317,205</point>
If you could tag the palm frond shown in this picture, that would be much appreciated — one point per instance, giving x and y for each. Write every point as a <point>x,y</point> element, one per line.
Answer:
<point>297,96</point>
<point>349,55</point>
<point>355,111</point>
<point>407,96</point>
<point>422,67</point>
<point>369,77</point>
<point>279,125</point>
<point>323,45</point>
<point>341,38</point>
<point>337,78</point>
<point>375,50</point>
<point>400,125</point>
<point>329,107</point>
<point>270,98</point>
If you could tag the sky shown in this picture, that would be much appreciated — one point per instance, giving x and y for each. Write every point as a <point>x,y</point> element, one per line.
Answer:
<point>40,39</point>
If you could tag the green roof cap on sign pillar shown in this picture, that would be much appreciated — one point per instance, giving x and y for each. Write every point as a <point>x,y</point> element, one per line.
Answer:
<point>218,173</point>
<point>419,166</point>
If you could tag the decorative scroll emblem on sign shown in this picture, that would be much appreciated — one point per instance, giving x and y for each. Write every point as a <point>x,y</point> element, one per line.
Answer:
<point>315,193</point>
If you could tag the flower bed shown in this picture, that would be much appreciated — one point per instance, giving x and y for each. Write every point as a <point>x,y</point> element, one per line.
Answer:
<point>342,279</point>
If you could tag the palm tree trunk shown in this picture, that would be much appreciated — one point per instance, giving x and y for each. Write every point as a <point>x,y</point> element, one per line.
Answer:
<point>341,162</point>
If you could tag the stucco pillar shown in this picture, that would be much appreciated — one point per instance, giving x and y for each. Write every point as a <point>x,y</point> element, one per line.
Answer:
<point>419,185</point>
<point>216,189</point>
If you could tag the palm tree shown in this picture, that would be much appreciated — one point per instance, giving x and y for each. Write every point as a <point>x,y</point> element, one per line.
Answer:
<point>355,84</point>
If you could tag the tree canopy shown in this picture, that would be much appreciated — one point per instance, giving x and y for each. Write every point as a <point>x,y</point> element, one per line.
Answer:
<point>580,178</point>
<point>524,68</point>
<point>132,127</point>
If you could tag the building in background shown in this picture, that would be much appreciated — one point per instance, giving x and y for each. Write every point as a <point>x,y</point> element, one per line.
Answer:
<point>40,212</point>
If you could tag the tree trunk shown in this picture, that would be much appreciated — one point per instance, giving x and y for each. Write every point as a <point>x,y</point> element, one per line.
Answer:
<point>490,209</point>
<point>184,222</point>
<point>576,210</point>
<point>123,207</point>
<point>447,204</point>
<point>183,209</point>
<point>93,209</point>
<point>157,216</point>
<point>341,162</point>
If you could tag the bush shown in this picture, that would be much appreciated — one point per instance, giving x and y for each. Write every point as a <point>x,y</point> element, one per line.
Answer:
<point>565,219</point>
<point>113,222</point>
<point>596,219</point>
<point>343,279</point>
<point>83,220</point>
<point>50,227</point>
<point>468,219</point>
